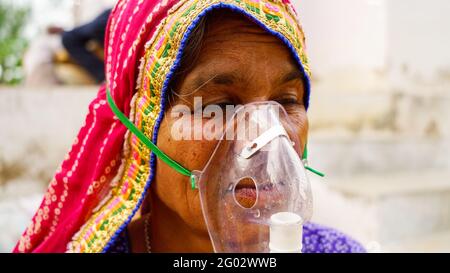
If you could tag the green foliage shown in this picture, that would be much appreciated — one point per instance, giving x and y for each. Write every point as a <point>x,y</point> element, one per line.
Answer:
<point>12,42</point>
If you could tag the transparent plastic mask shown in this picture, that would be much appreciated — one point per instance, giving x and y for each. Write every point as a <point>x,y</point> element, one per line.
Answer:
<point>254,173</point>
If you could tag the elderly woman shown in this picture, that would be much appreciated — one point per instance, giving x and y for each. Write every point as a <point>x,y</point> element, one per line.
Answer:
<point>125,186</point>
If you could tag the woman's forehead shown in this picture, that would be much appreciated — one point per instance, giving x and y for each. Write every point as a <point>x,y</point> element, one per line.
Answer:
<point>237,31</point>
<point>236,50</point>
<point>226,23</point>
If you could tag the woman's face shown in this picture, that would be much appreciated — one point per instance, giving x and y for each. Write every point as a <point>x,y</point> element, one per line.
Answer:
<point>239,63</point>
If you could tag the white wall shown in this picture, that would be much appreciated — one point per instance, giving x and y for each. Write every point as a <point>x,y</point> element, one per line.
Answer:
<point>419,39</point>
<point>89,9</point>
<point>344,35</point>
<point>64,13</point>
<point>403,39</point>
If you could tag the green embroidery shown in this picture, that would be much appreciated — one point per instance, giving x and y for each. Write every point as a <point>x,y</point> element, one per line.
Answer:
<point>253,8</point>
<point>166,50</point>
<point>133,191</point>
<point>148,110</point>
<point>152,90</point>
<point>174,29</point>
<point>290,28</point>
<point>272,17</point>
<point>102,227</point>
<point>187,12</point>
<point>155,70</point>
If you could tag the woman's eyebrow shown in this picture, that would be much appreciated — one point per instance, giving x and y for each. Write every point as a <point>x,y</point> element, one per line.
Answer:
<point>226,78</point>
<point>200,82</point>
<point>231,78</point>
<point>295,74</point>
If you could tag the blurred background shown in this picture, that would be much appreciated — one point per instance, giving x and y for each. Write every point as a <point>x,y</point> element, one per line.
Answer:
<point>379,116</point>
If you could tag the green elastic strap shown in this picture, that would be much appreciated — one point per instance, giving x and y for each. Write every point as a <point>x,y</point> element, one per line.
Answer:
<point>305,159</point>
<point>160,154</point>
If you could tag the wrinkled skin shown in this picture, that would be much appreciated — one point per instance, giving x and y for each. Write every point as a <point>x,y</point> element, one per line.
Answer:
<point>239,63</point>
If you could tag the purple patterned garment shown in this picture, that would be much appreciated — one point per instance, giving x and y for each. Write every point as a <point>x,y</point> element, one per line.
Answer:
<point>320,239</point>
<point>316,239</point>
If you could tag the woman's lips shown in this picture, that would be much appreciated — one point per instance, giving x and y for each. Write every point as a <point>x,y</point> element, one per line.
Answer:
<point>246,195</point>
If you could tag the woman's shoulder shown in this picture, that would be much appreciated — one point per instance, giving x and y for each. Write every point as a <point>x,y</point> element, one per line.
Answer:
<point>322,239</point>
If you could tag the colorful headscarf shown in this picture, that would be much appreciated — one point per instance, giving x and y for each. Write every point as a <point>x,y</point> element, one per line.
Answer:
<point>104,178</point>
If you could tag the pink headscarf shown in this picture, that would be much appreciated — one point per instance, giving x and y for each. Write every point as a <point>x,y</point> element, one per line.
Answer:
<point>85,176</point>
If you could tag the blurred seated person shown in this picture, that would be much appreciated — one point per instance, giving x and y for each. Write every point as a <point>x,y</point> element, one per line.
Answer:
<point>84,44</point>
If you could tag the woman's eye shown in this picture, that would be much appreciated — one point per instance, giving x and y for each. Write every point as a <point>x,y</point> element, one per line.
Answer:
<point>288,101</point>
<point>204,106</point>
<point>222,105</point>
